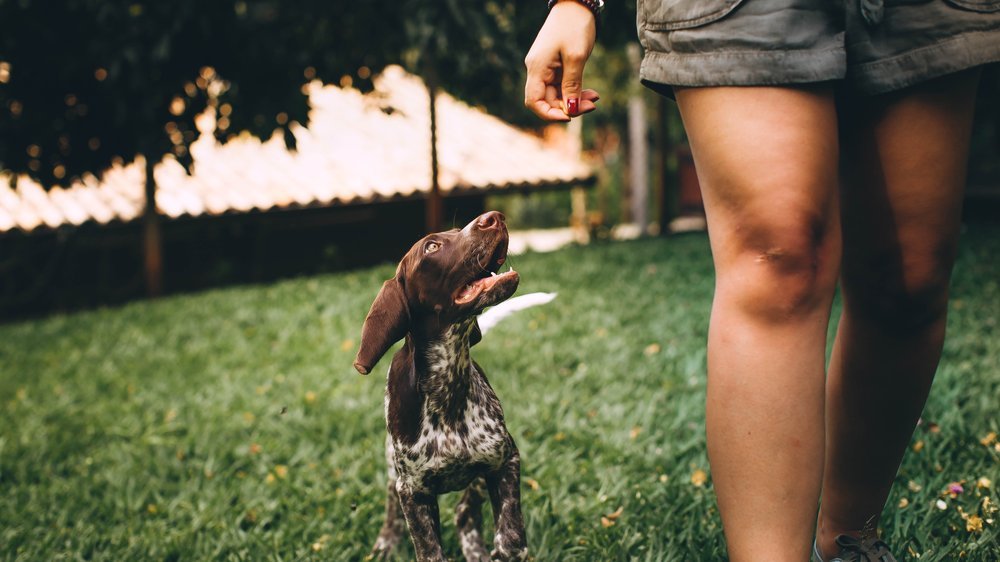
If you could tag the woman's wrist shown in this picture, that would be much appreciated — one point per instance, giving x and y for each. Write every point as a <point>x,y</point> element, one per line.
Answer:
<point>575,10</point>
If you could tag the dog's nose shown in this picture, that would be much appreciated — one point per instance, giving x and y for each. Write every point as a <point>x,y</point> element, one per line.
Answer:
<point>490,220</point>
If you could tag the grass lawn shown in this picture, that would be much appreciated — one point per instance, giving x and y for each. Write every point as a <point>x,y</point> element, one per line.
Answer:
<point>230,425</point>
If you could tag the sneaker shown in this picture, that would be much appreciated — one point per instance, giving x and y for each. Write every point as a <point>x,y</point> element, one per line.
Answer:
<point>857,550</point>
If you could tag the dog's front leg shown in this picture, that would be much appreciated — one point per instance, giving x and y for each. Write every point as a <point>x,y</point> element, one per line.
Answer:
<point>509,542</point>
<point>424,521</point>
<point>393,529</point>
<point>469,522</point>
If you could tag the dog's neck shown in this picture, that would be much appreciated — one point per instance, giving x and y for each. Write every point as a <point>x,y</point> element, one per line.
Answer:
<point>443,366</point>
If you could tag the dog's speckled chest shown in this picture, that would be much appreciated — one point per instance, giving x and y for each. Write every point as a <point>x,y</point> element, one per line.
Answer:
<point>462,432</point>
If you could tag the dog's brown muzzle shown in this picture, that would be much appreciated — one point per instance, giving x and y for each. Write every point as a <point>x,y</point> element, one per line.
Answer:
<point>492,227</point>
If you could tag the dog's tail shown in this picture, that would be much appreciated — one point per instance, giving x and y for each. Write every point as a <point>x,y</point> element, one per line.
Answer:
<point>493,316</point>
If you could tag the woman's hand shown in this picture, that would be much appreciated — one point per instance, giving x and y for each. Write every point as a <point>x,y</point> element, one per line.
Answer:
<point>554,88</point>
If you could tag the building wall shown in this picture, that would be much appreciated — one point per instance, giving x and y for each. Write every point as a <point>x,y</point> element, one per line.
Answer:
<point>96,265</point>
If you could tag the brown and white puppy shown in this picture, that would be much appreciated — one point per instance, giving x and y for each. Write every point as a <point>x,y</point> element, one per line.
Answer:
<point>445,424</point>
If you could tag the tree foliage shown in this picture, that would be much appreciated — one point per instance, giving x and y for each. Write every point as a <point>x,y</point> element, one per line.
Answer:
<point>98,80</point>
<point>94,81</point>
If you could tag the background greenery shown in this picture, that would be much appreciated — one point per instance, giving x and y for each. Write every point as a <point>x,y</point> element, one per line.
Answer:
<point>230,425</point>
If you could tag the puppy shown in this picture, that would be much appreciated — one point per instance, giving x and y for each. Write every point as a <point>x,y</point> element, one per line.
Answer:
<point>446,429</point>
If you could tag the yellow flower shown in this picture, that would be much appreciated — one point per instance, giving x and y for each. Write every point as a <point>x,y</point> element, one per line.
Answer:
<point>903,502</point>
<point>282,471</point>
<point>988,507</point>
<point>918,446</point>
<point>974,524</point>
<point>320,544</point>
<point>983,483</point>
<point>698,478</point>
<point>310,397</point>
<point>990,439</point>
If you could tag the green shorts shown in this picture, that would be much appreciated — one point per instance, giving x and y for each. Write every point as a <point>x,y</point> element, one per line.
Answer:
<point>874,46</point>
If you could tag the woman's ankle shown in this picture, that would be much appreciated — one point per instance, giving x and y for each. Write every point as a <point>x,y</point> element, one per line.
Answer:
<point>827,531</point>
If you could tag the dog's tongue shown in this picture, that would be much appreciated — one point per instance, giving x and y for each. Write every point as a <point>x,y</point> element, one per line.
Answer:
<point>469,292</point>
<point>474,289</point>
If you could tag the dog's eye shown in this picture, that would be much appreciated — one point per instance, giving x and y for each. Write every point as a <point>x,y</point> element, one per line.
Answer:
<point>431,247</point>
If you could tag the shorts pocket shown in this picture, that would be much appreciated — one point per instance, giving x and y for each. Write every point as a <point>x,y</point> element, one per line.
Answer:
<point>985,6</point>
<point>667,15</point>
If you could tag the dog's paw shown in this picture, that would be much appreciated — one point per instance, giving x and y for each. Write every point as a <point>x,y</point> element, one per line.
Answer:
<point>384,547</point>
<point>501,554</point>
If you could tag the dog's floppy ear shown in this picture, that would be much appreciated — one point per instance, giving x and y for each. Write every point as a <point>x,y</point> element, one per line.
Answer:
<point>387,322</point>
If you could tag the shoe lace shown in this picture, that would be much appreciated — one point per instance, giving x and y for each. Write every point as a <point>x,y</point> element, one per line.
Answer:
<point>853,549</point>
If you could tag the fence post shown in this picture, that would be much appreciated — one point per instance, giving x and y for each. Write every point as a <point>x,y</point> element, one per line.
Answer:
<point>152,238</point>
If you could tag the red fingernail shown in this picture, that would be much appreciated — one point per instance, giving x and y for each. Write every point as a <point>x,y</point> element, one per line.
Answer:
<point>572,106</point>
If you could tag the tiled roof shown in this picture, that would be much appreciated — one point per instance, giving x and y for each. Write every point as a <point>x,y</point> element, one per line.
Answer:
<point>357,149</point>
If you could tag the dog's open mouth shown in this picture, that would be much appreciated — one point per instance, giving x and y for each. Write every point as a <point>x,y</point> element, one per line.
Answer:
<point>488,279</point>
<point>482,285</point>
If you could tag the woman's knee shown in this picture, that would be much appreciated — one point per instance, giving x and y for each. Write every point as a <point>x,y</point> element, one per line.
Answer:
<point>902,294</point>
<point>781,268</point>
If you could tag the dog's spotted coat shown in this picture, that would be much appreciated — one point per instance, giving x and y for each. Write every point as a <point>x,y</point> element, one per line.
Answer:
<point>445,423</point>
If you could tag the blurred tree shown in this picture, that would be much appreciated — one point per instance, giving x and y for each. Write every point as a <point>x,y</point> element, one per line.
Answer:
<point>94,82</point>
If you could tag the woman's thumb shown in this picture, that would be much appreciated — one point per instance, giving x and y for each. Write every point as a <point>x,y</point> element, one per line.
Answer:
<point>572,83</point>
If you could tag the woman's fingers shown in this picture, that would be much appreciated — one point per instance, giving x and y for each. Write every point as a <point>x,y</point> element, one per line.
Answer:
<point>549,105</point>
<point>541,97</point>
<point>588,101</point>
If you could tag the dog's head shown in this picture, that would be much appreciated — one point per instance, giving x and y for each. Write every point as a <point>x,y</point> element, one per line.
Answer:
<point>444,279</point>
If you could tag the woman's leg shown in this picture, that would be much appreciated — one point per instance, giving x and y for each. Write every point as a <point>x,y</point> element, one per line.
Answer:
<point>905,159</point>
<point>767,163</point>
